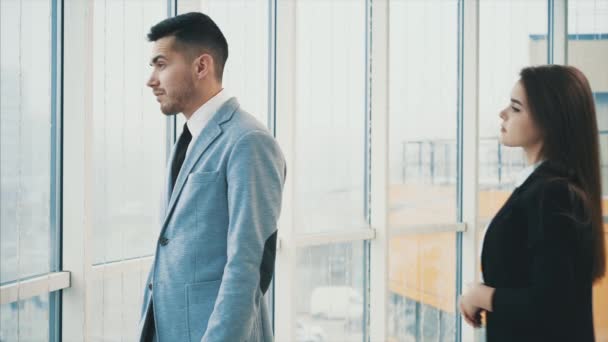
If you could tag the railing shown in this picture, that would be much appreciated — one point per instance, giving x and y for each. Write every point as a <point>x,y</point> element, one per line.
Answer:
<point>434,162</point>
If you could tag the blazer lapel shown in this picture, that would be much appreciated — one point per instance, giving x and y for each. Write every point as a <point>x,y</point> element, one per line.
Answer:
<point>207,136</point>
<point>168,177</point>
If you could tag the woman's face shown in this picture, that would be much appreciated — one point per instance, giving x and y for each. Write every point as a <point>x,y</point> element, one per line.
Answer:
<point>517,128</point>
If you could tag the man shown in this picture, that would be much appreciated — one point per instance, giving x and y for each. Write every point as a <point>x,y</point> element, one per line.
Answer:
<point>215,253</point>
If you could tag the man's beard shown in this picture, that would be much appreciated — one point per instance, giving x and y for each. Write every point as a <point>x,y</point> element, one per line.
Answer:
<point>177,105</point>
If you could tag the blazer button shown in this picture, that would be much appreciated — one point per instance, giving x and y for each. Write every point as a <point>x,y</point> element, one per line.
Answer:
<point>163,241</point>
<point>150,286</point>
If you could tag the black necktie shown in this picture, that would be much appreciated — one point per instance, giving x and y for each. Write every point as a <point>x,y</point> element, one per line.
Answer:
<point>180,154</point>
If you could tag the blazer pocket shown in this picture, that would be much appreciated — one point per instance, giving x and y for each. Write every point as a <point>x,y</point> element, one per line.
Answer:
<point>203,177</point>
<point>200,300</point>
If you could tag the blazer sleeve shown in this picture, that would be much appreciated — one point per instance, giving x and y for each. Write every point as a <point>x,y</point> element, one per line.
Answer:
<point>548,300</point>
<point>255,178</point>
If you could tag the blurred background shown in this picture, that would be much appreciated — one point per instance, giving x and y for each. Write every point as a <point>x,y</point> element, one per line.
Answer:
<point>386,110</point>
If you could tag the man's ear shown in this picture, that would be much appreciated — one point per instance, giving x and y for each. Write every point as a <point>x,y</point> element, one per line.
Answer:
<point>203,66</point>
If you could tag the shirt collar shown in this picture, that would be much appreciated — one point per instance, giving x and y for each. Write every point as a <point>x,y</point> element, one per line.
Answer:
<point>525,173</point>
<point>201,116</point>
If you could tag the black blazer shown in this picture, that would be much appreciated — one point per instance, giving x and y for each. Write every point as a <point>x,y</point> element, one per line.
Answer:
<point>537,254</point>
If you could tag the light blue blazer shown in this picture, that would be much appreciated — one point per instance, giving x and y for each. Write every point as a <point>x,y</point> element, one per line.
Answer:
<point>216,249</point>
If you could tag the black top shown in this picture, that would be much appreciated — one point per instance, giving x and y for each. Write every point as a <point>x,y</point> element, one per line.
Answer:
<point>537,253</point>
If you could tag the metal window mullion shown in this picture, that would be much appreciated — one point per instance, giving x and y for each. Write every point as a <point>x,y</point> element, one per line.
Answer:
<point>171,120</point>
<point>77,68</point>
<point>334,237</point>
<point>272,66</point>
<point>117,268</point>
<point>271,115</point>
<point>35,286</point>
<point>56,163</point>
<point>468,137</point>
<point>284,128</point>
<point>365,263</point>
<point>416,229</point>
<point>379,116</point>
<point>557,32</point>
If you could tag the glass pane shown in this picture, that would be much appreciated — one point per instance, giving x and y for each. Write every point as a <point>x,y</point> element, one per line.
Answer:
<point>588,51</point>
<point>601,107</point>
<point>112,307</point>
<point>128,131</point>
<point>26,320</point>
<point>95,308</point>
<point>127,162</point>
<point>423,104</point>
<point>513,35</point>
<point>113,312</point>
<point>132,290</point>
<point>9,322</point>
<point>422,292</point>
<point>245,24</point>
<point>331,293</point>
<point>25,138</point>
<point>329,171</point>
<point>604,166</point>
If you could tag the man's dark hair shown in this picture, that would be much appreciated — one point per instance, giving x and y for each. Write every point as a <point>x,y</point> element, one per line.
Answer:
<point>196,32</point>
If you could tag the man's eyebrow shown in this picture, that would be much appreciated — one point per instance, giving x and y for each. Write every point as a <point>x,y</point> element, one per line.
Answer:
<point>156,58</point>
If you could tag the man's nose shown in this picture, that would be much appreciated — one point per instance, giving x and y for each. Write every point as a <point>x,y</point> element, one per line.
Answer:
<point>152,81</point>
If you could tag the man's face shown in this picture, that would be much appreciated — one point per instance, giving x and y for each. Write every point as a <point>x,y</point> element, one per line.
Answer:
<point>172,77</point>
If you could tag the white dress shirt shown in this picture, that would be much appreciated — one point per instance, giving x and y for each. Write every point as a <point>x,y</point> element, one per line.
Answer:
<point>201,116</point>
<point>525,173</point>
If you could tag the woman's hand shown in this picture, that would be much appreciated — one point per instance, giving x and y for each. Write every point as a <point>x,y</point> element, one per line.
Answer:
<point>471,313</point>
<point>476,299</point>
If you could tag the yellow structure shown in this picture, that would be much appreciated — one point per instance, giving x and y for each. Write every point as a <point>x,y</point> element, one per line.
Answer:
<point>422,267</point>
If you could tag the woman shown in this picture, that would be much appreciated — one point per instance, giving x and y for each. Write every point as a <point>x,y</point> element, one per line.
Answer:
<point>545,247</point>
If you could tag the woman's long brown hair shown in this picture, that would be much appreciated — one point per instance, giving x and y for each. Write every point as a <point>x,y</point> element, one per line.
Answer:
<point>561,104</point>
